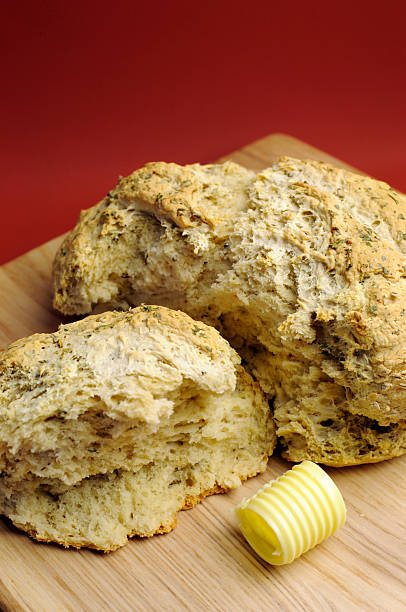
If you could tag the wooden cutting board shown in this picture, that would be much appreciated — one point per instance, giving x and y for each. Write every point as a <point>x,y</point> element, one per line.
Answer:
<point>205,564</point>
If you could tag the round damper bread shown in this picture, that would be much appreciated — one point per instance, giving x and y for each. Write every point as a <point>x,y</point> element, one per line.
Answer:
<point>112,424</point>
<point>302,268</point>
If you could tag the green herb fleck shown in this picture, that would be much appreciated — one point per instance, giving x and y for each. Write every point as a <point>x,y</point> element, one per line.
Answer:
<point>366,235</point>
<point>197,330</point>
<point>335,244</point>
<point>326,348</point>
<point>384,270</point>
<point>393,198</point>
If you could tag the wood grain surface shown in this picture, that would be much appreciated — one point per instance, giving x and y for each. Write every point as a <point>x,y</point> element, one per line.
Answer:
<point>205,564</point>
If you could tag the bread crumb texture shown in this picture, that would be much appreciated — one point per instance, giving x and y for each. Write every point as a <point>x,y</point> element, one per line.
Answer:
<point>112,424</point>
<point>301,267</point>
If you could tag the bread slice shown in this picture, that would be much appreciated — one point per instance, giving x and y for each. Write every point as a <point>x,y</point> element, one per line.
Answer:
<point>302,268</point>
<point>112,424</point>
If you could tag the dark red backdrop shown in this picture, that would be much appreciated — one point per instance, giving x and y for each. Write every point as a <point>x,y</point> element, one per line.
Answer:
<point>92,90</point>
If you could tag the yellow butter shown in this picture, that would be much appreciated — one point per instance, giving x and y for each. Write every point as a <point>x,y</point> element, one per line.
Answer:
<point>292,514</point>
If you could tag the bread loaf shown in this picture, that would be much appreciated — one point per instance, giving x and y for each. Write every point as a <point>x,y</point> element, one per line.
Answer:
<point>302,268</point>
<point>111,425</point>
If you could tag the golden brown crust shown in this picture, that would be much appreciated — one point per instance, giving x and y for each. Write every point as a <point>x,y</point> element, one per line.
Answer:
<point>32,532</point>
<point>195,198</point>
<point>294,457</point>
<point>168,191</point>
<point>185,195</point>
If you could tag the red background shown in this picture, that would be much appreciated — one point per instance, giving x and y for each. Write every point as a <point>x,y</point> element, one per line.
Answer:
<point>91,90</point>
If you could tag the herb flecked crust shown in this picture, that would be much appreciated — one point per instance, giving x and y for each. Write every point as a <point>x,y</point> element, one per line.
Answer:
<point>302,267</point>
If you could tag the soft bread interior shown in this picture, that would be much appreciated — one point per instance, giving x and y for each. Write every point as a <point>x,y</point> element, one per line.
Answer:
<point>142,475</point>
<point>135,417</point>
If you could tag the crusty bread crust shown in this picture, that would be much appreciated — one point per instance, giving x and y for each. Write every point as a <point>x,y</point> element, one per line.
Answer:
<point>305,275</point>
